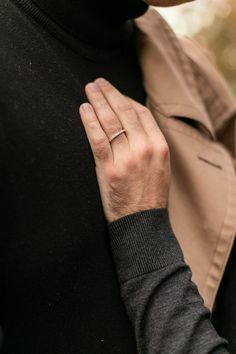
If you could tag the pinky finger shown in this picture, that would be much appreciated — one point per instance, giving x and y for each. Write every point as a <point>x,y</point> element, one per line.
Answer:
<point>98,140</point>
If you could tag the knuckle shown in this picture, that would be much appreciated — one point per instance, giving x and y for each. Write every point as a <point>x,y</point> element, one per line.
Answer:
<point>111,124</point>
<point>101,104</point>
<point>101,152</point>
<point>131,164</point>
<point>163,150</point>
<point>109,118</point>
<point>143,111</point>
<point>93,124</point>
<point>99,141</point>
<point>146,151</point>
<point>100,147</point>
<point>125,107</point>
<point>114,176</point>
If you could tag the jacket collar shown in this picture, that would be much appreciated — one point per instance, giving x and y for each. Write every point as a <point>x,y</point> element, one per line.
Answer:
<point>168,75</point>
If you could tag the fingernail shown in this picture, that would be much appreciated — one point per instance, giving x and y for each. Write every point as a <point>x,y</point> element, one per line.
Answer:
<point>93,87</point>
<point>102,82</point>
<point>86,107</point>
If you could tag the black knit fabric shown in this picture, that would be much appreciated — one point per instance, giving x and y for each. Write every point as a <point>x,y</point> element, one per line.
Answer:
<point>59,290</point>
<point>103,24</point>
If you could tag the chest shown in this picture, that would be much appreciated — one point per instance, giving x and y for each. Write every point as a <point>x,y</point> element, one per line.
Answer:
<point>56,269</point>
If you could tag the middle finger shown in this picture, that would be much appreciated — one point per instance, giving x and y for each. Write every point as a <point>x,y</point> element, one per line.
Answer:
<point>125,112</point>
<point>108,119</point>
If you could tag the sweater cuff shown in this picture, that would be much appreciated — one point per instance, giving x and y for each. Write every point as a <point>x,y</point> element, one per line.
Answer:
<point>143,242</point>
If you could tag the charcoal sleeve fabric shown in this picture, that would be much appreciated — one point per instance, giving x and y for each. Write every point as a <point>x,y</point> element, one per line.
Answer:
<point>164,305</point>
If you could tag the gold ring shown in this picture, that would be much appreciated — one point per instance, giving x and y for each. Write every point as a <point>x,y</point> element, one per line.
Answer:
<point>116,135</point>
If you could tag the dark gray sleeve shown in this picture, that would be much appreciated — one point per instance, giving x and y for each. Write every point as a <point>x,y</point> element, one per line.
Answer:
<point>163,303</point>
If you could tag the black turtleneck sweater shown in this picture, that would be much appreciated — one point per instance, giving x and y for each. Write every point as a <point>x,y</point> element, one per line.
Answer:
<point>60,293</point>
<point>59,288</point>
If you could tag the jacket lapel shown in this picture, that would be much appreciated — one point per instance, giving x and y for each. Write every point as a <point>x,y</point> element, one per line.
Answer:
<point>181,83</point>
<point>167,73</point>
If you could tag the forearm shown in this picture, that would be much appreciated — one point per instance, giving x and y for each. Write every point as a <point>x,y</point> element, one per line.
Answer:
<point>164,305</point>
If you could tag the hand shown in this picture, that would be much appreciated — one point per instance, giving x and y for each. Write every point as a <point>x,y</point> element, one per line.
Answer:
<point>133,170</point>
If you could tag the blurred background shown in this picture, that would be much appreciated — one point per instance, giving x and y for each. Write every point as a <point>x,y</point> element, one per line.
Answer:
<point>213,24</point>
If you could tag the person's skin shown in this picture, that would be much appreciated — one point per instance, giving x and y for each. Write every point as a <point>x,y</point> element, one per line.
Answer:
<point>166,2</point>
<point>133,170</point>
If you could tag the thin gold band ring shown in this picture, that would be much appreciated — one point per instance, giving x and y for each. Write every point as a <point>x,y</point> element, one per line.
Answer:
<point>116,135</point>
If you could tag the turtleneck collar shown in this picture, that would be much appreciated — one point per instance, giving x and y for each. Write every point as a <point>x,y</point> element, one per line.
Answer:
<point>99,23</point>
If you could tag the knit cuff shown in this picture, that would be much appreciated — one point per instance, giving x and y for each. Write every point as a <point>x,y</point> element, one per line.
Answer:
<point>143,242</point>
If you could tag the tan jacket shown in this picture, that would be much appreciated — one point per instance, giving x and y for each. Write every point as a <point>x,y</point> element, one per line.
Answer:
<point>196,112</point>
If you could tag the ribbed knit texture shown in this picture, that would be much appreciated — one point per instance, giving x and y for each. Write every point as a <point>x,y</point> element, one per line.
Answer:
<point>143,242</point>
